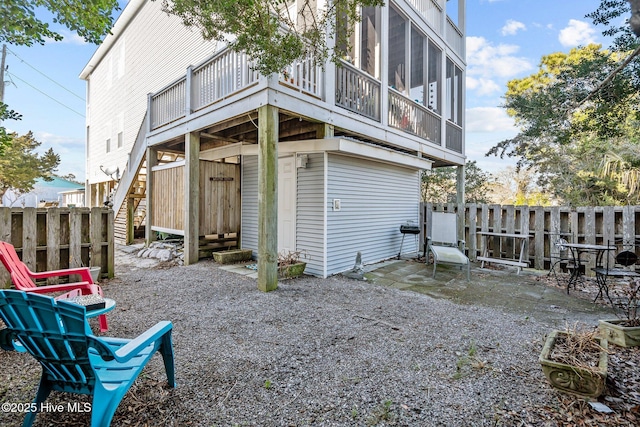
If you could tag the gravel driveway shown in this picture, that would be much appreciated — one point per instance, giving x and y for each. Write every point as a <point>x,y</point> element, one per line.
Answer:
<point>316,352</point>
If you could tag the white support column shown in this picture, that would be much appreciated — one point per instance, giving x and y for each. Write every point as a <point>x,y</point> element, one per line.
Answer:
<point>384,65</point>
<point>191,198</point>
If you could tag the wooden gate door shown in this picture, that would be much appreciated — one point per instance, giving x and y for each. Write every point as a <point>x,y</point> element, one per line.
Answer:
<point>219,198</point>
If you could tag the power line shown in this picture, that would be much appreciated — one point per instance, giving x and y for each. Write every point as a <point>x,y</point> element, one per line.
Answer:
<point>44,75</point>
<point>50,97</point>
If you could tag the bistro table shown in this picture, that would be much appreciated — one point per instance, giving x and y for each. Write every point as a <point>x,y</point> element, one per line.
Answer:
<point>577,249</point>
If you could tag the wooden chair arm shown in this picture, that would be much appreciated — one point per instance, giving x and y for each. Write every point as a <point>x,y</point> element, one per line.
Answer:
<point>90,288</point>
<point>83,272</point>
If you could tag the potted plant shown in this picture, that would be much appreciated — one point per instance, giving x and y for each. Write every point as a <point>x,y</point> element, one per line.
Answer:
<point>575,362</point>
<point>290,265</point>
<point>624,331</point>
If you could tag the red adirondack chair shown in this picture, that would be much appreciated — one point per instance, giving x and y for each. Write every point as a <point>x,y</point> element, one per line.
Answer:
<point>23,279</point>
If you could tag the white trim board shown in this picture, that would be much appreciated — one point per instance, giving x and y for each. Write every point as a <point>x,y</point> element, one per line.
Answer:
<point>338,145</point>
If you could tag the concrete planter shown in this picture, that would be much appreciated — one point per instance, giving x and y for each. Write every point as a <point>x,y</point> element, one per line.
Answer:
<point>573,379</point>
<point>291,270</point>
<point>624,336</point>
<point>232,256</point>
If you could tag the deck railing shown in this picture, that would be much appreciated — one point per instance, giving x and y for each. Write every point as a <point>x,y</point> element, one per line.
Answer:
<point>455,38</point>
<point>224,74</point>
<point>432,12</point>
<point>409,116</point>
<point>305,76</point>
<point>169,104</point>
<point>454,137</point>
<point>357,91</point>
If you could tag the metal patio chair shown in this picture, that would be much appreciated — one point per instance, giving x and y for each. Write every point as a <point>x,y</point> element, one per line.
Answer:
<point>443,242</point>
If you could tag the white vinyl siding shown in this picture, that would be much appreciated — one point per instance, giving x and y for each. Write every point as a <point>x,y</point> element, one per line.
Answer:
<point>159,48</point>
<point>376,198</point>
<point>310,213</point>
<point>249,192</point>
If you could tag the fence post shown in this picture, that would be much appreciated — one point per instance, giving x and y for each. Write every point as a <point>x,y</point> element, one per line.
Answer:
<point>53,243</point>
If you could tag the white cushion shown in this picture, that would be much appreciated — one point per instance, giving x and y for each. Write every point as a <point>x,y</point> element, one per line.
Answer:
<point>447,254</point>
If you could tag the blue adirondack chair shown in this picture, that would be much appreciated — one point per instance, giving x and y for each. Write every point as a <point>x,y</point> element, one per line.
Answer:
<point>73,360</point>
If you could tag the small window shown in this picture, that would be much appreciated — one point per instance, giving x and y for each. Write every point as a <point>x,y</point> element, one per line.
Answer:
<point>120,139</point>
<point>108,144</point>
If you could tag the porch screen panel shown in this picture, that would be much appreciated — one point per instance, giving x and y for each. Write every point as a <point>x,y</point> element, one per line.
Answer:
<point>397,54</point>
<point>434,79</point>
<point>417,67</point>
<point>369,42</point>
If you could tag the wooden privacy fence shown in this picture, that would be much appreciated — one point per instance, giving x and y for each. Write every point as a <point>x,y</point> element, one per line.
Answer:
<point>59,238</point>
<point>619,225</point>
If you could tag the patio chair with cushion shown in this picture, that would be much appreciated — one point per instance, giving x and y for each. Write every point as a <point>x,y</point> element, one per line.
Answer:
<point>23,279</point>
<point>73,360</point>
<point>443,242</point>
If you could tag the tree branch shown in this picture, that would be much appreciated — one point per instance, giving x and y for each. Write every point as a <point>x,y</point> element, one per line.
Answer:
<point>609,77</point>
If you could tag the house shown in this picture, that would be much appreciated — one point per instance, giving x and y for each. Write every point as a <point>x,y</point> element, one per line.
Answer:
<point>181,118</point>
<point>45,194</point>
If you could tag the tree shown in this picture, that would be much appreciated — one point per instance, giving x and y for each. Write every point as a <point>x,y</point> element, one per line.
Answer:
<point>562,142</point>
<point>439,184</point>
<point>91,19</point>
<point>578,106</point>
<point>6,114</point>
<point>21,166</point>
<point>517,187</point>
<point>268,31</point>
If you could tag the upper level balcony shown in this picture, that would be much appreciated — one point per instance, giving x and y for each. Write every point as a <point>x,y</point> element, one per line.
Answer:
<point>416,90</point>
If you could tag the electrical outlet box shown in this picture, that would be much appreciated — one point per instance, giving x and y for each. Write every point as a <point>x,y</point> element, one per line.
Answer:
<point>336,204</point>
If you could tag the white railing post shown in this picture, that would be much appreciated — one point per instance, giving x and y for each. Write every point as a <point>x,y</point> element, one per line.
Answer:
<point>149,114</point>
<point>188,91</point>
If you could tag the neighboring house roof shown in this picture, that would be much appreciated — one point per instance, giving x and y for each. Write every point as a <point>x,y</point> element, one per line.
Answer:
<point>42,190</point>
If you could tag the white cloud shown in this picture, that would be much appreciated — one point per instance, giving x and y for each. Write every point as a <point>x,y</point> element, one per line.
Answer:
<point>577,33</point>
<point>68,38</point>
<point>488,119</point>
<point>483,86</point>
<point>488,60</point>
<point>512,27</point>
<point>70,150</point>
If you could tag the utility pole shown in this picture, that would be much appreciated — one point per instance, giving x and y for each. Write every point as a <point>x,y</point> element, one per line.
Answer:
<point>4,55</point>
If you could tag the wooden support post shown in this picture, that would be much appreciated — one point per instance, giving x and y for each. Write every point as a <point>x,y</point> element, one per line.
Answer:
<point>267,198</point>
<point>325,130</point>
<point>191,198</point>
<point>152,160</point>
<point>111,244</point>
<point>131,212</point>
<point>460,178</point>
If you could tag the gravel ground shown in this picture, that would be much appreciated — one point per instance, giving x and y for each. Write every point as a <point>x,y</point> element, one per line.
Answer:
<point>316,352</point>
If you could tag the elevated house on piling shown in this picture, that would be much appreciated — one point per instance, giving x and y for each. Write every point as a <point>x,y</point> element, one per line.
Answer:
<point>177,119</point>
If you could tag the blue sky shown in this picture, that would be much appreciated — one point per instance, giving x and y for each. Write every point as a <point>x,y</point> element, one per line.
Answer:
<point>505,40</point>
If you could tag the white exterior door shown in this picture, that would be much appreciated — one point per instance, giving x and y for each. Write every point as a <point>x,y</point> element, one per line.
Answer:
<point>286,204</point>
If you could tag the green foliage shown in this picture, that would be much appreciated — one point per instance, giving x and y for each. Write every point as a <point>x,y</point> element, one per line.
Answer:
<point>265,29</point>
<point>614,11</point>
<point>439,184</point>
<point>563,138</point>
<point>579,115</point>
<point>91,19</point>
<point>6,114</point>
<point>21,166</point>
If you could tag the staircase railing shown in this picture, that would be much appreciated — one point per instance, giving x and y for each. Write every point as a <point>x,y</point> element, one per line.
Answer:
<point>134,163</point>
